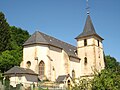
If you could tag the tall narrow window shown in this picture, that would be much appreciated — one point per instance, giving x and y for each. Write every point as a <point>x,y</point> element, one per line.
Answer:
<point>41,69</point>
<point>85,60</point>
<point>98,42</point>
<point>73,74</point>
<point>85,42</point>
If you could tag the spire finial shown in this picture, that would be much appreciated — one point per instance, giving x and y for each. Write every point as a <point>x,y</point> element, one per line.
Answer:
<point>87,7</point>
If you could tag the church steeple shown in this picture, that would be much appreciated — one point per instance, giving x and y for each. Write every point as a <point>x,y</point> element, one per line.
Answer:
<point>89,29</point>
<point>90,48</point>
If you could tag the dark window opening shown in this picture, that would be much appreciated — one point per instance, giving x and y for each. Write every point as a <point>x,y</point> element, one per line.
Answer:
<point>99,55</point>
<point>68,83</point>
<point>85,60</point>
<point>28,64</point>
<point>73,74</point>
<point>75,51</point>
<point>85,42</point>
<point>98,42</point>
<point>53,69</point>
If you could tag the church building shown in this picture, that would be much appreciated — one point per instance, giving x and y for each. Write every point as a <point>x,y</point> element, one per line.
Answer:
<point>52,58</point>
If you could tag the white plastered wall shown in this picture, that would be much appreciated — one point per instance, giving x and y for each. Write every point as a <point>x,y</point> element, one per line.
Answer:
<point>75,65</point>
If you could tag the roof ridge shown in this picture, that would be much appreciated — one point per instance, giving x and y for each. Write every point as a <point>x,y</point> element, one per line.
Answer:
<point>57,39</point>
<point>42,38</point>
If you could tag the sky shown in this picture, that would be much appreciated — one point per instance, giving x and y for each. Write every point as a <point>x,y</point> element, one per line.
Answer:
<point>65,19</point>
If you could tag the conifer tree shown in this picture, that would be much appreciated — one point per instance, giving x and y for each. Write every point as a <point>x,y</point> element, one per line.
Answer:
<point>4,33</point>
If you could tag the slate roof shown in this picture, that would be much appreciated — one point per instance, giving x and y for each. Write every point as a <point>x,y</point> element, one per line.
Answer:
<point>31,78</point>
<point>41,38</point>
<point>61,78</point>
<point>16,70</point>
<point>88,29</point>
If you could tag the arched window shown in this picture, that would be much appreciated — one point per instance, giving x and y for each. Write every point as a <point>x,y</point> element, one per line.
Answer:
<point>41,69</point>
<point>28,64</point>
<point>73,74</point>
<point>85,60</point>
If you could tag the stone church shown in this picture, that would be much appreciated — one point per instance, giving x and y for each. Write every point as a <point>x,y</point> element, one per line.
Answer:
<point>52,58</point>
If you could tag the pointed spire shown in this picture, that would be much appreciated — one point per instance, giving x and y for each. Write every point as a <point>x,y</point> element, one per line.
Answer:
<point>88,30</point>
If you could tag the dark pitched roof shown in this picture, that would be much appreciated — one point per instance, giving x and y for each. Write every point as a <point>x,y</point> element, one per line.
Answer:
<point>41,38</point>
<point>88,29</point>
<point>37,37</point>
<point>31,78</point>
<point>16,70</point>
<point>61,78</point>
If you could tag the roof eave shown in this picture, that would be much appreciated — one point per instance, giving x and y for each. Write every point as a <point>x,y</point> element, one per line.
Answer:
<point>16,74</point>
<point>88,36</point>
<point>74,57</point>
<point>35,43</point>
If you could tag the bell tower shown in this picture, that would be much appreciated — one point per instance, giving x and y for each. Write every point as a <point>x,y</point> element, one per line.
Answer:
<point>90,49</point>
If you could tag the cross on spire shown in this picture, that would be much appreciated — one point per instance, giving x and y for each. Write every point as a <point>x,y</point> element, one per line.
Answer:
<point>87,7</point>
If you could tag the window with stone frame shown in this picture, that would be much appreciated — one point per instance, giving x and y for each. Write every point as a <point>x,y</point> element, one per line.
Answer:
<point>41,69</point>
<point>85,42</point>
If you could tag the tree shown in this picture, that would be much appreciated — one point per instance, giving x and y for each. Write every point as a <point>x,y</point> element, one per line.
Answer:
<point>13,57</point>
<point>8,59</point>
<point>4,33</point>
<point>112,64</point>
<point>106,80</point>
<point>18,36</point>
<point>109,78</point>
<point>82,84</point>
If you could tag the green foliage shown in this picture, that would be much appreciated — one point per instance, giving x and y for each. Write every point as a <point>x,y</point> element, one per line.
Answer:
<point>8,59</point>
<point>1,77</point>
<point>11,41</point>
<point>18,36</point>
<point>106,80</point>
<point>7,83</point>
<point>39,88</point>
<point>109,78</point>
<point>111,62</point>
<point>4,33</point>
<point>82,84</point>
